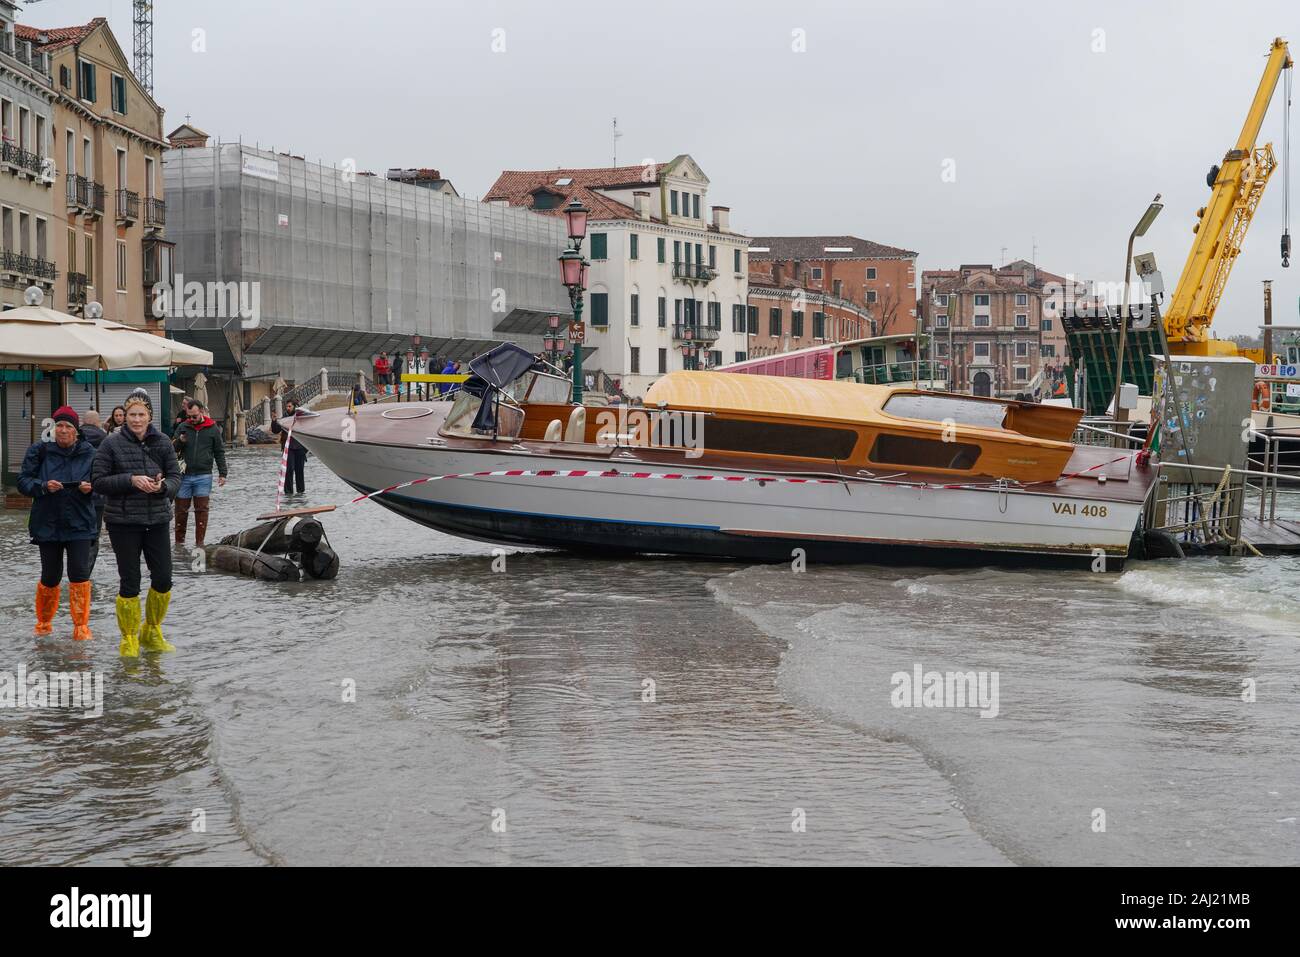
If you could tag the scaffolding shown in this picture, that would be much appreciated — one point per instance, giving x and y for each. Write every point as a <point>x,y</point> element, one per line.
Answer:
<point>333,249</point>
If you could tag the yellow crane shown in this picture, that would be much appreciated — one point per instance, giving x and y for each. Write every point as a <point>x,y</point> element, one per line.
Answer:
<point>1236,187</point>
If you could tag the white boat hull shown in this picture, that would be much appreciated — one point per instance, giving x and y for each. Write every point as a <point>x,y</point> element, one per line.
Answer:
<point>853,521</point>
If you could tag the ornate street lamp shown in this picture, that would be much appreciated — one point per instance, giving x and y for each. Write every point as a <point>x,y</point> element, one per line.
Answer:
<point>574,276</point>
<point>575,215</point>
<point>553,344</point>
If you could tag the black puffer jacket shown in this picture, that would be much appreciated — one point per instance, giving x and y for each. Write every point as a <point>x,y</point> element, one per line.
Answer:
<point>122,456</point>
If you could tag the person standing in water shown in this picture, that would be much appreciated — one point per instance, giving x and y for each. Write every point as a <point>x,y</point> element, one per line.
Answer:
<point>137,472</point>
<point>198,443</point>
<point>297,462</point>
<point>56,476</point>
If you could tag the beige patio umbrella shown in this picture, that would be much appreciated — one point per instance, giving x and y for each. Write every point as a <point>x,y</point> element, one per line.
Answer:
<point>180,353</point>
<point>48,339</point>
<point>201,389</point>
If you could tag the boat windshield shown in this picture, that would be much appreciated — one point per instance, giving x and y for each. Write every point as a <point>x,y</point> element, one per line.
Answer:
<point>937,408</point>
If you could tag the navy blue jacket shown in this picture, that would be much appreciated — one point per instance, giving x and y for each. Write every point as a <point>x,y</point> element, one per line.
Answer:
<point>122,456</point>
<point>67,515</point>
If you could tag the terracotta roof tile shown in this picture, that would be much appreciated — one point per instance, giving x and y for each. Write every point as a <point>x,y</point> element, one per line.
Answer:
<point>519,188</point>
<point>56,38</point>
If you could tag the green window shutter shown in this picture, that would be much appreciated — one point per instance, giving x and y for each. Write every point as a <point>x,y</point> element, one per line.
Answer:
<point>599,246</point>
<point>634,313</point>
<point>663,312</point>
<point>662,244</point>
<point>600,309</point>
<point>736,255</point>
<point>695,205</point>
<point>672,201</point>
<point>633,247</point>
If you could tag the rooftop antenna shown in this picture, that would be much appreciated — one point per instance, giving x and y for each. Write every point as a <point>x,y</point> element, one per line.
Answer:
<point>1004,255</point>
<point>144,44</point>
<point>617,134</point>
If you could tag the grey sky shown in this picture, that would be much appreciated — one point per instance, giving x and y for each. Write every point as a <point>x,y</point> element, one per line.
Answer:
<point>1053,142</point>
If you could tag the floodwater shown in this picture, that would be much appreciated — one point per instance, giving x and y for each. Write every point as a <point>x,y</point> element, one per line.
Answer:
<point>436,706</point>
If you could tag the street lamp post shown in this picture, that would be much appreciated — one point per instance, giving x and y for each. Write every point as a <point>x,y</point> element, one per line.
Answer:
<point>1140,229</point>
<point>553,343</point>
<point>573,274</point>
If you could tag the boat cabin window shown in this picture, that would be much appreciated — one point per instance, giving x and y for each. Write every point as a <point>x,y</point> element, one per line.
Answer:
<point>775,438</point>
<point>905,450</point>
<point>844,364</point>
<point>937,408</point>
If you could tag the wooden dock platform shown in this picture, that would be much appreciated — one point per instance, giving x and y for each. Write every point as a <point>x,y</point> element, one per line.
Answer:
<point>1278,537</point>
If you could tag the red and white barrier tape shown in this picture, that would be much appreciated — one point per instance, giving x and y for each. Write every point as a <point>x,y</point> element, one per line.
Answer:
<point>615,473</point>
<point>284,464</point>
<point>595,473</point>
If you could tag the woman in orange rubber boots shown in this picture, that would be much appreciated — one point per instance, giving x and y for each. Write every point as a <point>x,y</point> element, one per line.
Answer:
<point>56,475</point>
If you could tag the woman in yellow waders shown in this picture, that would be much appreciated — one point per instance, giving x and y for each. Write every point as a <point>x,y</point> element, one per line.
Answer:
<point>136,470</point>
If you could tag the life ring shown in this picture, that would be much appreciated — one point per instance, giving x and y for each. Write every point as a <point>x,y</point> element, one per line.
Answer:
<point>1262,400</point>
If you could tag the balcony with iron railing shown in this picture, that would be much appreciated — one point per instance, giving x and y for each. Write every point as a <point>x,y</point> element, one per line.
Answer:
<point>77,190</point>
<point>128,206</point>
<point>155,213</point>
<point>690,332</point>
<point>97,195</point>
<point>693,272</point>
<point>20,160</point>
<point>76,289</point>
<point>6,42</point>
<point>20,265</point>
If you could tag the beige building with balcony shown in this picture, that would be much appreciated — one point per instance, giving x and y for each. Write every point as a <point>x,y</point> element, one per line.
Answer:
<point>29,203</point>
<point>106,234</point>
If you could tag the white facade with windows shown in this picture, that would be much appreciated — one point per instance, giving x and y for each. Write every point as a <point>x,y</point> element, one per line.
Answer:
<point>667,290</point>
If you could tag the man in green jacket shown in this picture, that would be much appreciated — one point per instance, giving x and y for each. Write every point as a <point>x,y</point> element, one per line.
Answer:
<point>198,444</point>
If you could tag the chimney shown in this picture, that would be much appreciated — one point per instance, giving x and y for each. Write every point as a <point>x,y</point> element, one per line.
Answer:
<point>641,203</point>
<point>722,218</point>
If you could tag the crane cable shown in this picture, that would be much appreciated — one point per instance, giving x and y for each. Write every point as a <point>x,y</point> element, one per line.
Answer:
<point>1286,167</point>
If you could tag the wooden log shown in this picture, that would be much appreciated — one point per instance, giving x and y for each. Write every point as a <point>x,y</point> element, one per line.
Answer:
<point>247,562</point>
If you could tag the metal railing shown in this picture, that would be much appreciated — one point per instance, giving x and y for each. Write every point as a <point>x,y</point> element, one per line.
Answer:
<point>696,272</point>
<point>1211,513</point>
<point>6,42</point>
<point>689,332</point>
<point>1103,430</point>
<point>128,206</point>
<point>895,372</point>
<point>77,189</point>
<point>17,156</point>
<point>22,264</point>
<point>96,197</point>
<point>76,288</point>
<point>155,212</point>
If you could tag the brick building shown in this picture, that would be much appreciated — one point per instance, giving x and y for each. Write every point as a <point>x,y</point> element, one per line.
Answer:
<point>997,328</point>
<point>854,288</point>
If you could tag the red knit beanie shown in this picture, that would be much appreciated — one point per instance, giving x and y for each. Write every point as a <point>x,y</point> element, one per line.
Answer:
<point>66,413</point>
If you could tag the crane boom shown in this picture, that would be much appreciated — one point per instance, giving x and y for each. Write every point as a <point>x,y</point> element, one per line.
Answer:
<point>1236,188</point>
